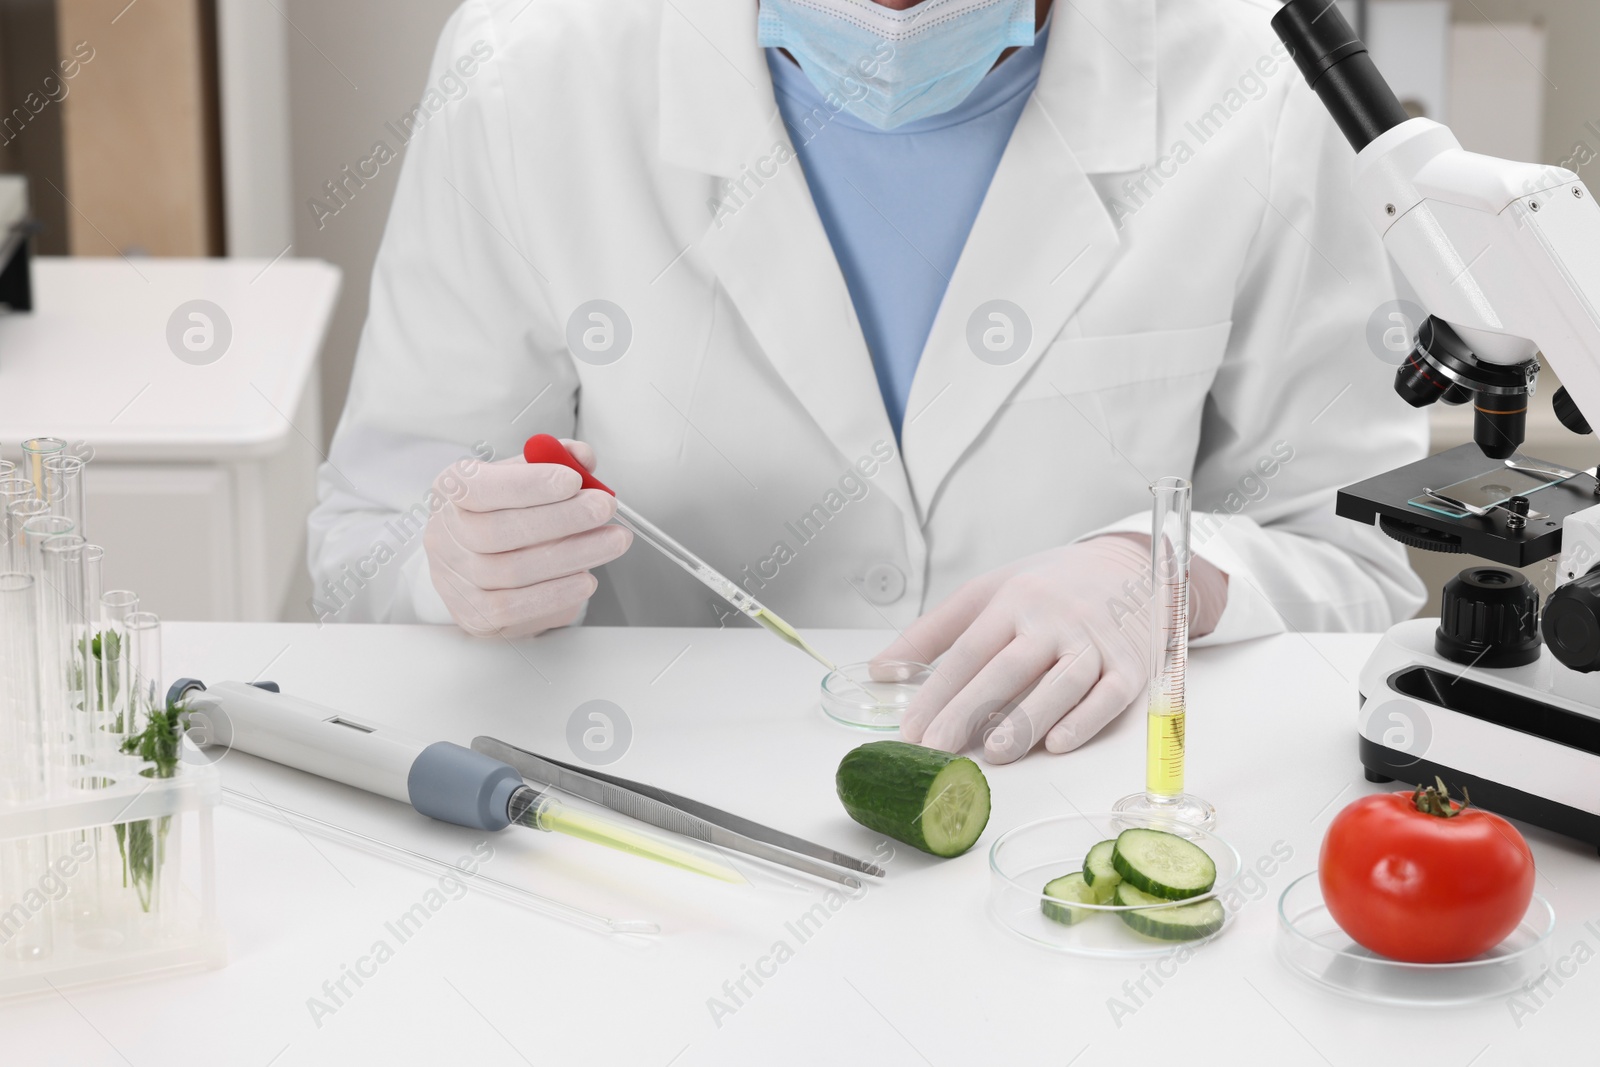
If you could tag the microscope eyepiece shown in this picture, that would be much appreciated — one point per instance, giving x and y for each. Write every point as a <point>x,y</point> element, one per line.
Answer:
<point>1336,64</point>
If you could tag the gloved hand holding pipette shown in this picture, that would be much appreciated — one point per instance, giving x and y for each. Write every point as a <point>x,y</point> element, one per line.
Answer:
<point>542,449</point>
<point>511,554</point>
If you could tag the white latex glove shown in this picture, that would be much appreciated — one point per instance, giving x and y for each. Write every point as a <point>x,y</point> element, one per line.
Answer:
<point>1062,622</point>
<point>510,554</point>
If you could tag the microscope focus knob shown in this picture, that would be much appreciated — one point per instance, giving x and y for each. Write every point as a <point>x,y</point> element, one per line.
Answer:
<point>1567,412</point>
<point>1571,623</point>
<point>1489,617</point>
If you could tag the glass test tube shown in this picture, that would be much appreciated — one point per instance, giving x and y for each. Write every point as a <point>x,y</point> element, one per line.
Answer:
<point>22,760</point>
<point>18,515</point>
<point>81,599</point>
<point>35,450</point>
<point>37,528</point>
<point>53,616</point>
<point>13,490</point>
<point>14,486</point>
<point>21,726</point>
<point>88,899</point>
<point>1166,721</point>
<point>94,694</point>
<point>63,488</point>
<point>115,660</point>
<point>61,633</point>
<point>145,695</point>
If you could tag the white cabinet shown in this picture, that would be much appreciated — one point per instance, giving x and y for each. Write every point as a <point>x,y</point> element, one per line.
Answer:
<point>203,460</point>
<point>183,567</point>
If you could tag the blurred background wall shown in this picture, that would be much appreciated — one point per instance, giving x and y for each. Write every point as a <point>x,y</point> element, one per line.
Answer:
<point>1570,77</point>
<point>345,82</point>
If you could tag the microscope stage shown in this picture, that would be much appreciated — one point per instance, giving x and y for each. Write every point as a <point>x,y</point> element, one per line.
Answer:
<point>1390,497</point>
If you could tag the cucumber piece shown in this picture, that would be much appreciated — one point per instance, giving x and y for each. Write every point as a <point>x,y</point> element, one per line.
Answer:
<point>1162,864</point>
<point>1073,889</point>
<point>934,801</point>
<point>1098,870</point>
<point>1175,922</point>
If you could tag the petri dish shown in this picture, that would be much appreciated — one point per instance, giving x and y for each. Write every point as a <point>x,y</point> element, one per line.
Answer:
<point>1024,859</point>
<point>852,696</point>
<point>1311,945</point>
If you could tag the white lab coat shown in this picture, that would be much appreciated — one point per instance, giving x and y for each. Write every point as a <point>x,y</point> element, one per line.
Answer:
<point>1177,228</point>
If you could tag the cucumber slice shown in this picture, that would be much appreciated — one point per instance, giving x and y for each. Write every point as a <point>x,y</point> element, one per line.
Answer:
<point>1098,870</point>
<point>935,801</point>
<point>1180,922</point>
<point>1073,889</point>
<point>1162,864</point>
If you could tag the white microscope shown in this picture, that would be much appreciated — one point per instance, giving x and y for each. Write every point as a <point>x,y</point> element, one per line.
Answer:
<point>1495,697</point>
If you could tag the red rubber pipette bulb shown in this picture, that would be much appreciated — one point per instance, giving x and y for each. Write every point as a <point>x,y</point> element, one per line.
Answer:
<point>542,448</point>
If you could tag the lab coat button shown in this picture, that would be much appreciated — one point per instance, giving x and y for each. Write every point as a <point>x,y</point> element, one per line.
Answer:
<point>884,583</point>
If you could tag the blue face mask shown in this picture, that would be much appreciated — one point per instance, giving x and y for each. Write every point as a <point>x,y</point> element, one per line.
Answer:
<point>892,67</point>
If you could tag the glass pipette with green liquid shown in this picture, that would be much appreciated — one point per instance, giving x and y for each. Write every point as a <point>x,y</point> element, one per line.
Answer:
<point>544,809</point>
<point>477,880</point>
<point>542,448</point>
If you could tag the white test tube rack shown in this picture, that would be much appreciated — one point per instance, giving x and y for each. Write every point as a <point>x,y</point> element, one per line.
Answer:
<point>72,912</point>
<point>107,871</point>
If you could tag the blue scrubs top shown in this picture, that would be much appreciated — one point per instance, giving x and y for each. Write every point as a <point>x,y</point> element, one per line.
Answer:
<point>898,204</point>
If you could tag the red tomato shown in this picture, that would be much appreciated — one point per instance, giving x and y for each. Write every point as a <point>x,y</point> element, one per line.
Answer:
<point>1423,887</point>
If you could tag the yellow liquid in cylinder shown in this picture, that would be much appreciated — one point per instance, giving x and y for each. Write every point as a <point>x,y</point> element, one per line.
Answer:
<point>1163,771</point>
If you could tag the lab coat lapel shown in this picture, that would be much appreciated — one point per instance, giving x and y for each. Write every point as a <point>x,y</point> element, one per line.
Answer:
<point>1043,237</point>
<point>775,261</point>
<point>766,242</point>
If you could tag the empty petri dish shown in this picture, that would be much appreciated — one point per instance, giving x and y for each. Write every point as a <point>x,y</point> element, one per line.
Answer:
<point>1311,944</point>
<point>1027,858</point>
<point>852,695</point>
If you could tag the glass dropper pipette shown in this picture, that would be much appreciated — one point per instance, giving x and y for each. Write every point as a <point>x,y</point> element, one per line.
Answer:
<point>542,448</point>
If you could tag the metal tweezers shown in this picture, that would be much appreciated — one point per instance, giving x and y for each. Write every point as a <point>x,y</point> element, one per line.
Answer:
<point>1556,474</point>
<point>681,815</point>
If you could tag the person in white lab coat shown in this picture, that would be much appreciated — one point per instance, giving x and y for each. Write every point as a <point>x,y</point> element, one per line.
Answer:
<point>610,226</point>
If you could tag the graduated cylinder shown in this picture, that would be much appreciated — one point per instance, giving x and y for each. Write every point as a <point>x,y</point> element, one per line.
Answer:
<point>1169,638</point>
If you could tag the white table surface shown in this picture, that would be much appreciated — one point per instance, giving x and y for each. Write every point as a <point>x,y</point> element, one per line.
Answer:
<point>911,973</point>
<point>92,362</point>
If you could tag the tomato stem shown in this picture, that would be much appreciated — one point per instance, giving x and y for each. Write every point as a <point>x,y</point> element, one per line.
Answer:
<point>1435,800</point>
